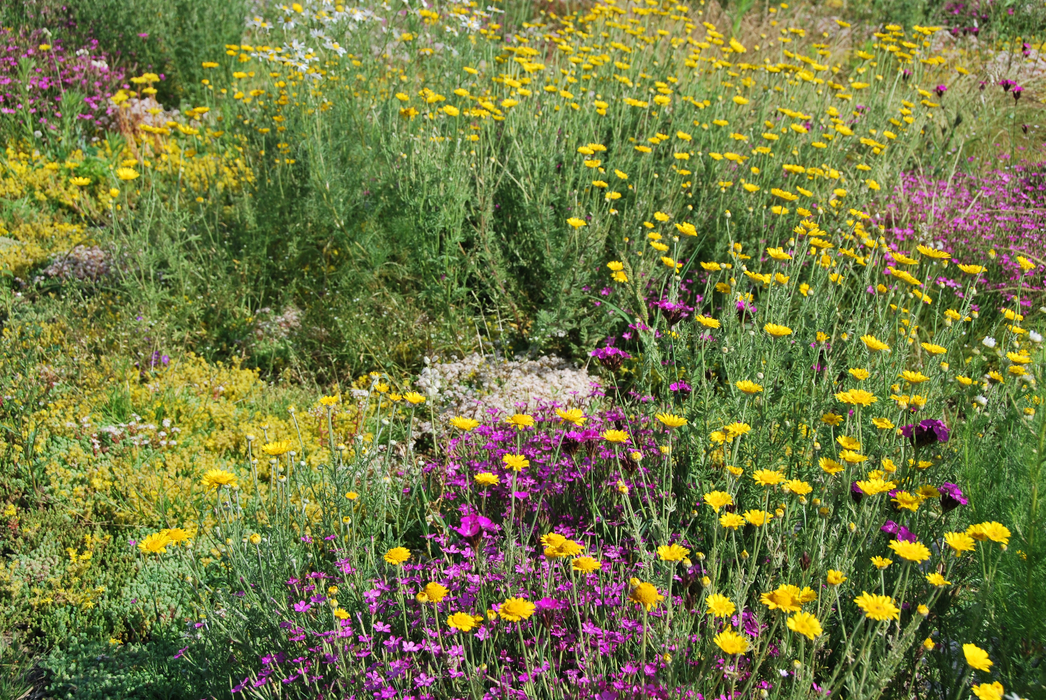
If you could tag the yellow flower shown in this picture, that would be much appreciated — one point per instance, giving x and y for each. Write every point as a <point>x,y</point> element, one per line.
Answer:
<point>883,423</point>
<point>989,691</point>
<point>766,477</point>
<point>910,551</point>
<point>797,486</point>
<point>857,397</point>
<point>976,657</point>
<point>933,349</point>
<point>573,415</point>
<point>848,442</point>
<point>328,401</point>
<point>996,532</point>
<point>215,478</point>
<point>880,608</point>
<point>463,621</point>
<point>937,580</point>
<point>671,421</point>
<point>352,495</point>
<point>718,499</point>
<point>736,430</point>
<point>126,174</point>
<point>413,398</point>
<point>806,625</point>
<point>731,642</point>
<point>672,552</point>
<point>521,421</point>
<point>466,424</point>
<point>341,613</point>
<point>80,181</point>
<point>516,462</point>
<point>615,436</point>
<point>585,565</point>
<point>277,449</point>
<point>873,487</point>
<point>788,598</point>
<point>719,606</point>
<point>830,465</point>
<point>832,419</point>
<point>558,546</point>
<point>835,578</point>
<point>731,521</point>
<point>928,644</point>
<point>859,374</point>
<point>175,535</point>
<point>432,593</point>
<point>486,479</point>
<point>960,542</point>
<point>914,377</point>
<point>707,321</point>
<point>776,330</point>
<point>758,517</point>
<point>749,387</point>
<point>644,594</point>
<point>576,222</point>
<point>156,543</point>
<point>397,555</point>
<point>874,344</point>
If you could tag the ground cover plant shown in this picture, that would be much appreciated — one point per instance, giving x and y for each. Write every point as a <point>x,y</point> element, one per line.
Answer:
<point>603,349</point>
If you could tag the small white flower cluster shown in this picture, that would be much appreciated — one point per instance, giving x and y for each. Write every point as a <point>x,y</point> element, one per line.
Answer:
<point>472,386</point>
<point>277,327</point>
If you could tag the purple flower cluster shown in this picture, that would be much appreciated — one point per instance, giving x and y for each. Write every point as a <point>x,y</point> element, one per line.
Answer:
<point>927,432</point>
<point>54,72</point>
<point>970,215</point>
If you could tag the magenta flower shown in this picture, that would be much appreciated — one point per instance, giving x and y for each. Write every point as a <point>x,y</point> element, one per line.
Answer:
<point>928,432</point>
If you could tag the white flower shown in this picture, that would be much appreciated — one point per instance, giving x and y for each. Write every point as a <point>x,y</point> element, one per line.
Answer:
<point>1034,337</point>
<point>988,342</point>
<point>981,399</point>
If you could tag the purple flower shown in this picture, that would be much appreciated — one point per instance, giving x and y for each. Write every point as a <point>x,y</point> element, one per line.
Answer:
<point>473,526</point>
<point>673,312</point>
<point>680,388</point>
<point>856,493</point>
<point>928,432</point>
<point>611,358</point>
<point>951,496</point>
<point>899,532</point>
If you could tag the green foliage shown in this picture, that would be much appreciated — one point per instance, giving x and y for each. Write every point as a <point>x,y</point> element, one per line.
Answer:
<point>97,670</point>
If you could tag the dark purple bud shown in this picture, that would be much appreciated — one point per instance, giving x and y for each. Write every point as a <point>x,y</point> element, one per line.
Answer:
<point>951,497</point>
